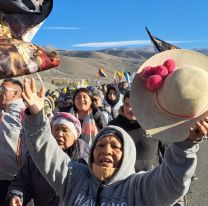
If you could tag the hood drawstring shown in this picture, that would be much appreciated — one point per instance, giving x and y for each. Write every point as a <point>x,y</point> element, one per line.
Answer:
<point>100,188</point>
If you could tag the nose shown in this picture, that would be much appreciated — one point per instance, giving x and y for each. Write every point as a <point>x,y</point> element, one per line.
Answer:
<point>107,149</point>
<point>59,134</point>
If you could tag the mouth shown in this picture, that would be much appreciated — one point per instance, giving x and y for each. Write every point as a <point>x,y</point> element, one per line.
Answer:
<point>106,162</point>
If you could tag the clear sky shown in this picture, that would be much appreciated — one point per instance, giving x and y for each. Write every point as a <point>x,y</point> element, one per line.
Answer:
<point>98,24</point>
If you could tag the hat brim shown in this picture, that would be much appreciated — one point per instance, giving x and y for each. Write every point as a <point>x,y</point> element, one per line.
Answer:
<point>156,122</point>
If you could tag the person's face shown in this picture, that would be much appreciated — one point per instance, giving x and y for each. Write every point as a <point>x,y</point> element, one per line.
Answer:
<point>112,94</point>
<point>8,93</point>
<point>98,101</point>
<point>125,85</point>
<point>82,102</point>
<point>68,102</point>
<point>63,135</point>
<point>108,152</point>
<point>128,113</point>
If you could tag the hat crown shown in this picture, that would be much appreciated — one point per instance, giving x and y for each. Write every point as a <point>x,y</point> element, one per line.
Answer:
<point>185,92</point>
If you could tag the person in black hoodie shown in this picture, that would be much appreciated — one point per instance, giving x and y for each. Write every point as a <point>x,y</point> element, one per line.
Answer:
<point>148,154</point>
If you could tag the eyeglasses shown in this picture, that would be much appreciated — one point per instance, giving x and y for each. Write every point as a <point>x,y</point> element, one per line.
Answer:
<point>5,89</point>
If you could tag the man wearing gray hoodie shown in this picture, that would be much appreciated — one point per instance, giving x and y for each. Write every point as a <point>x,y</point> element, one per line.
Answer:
<point>110,178</point>
<point>12,148</point>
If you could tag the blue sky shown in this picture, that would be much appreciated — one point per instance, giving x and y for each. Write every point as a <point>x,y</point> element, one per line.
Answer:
<point>98,24</point>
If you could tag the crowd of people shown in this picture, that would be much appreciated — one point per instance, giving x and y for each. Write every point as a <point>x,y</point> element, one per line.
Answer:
<point>86,147</point>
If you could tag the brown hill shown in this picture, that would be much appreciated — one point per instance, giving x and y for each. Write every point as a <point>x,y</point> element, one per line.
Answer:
<point>76,65</point>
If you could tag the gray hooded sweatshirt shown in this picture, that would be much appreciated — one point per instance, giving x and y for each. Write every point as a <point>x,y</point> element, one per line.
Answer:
<point>77,186</point>
<point>10,135</point>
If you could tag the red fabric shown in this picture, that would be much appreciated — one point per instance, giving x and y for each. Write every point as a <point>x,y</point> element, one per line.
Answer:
<point>170,64</point>
<point>154,82</point>
<point>161,70</point>
<point>146,72</point>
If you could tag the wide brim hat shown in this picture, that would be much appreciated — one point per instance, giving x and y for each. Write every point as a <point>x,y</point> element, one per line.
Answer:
<point>168,112</point>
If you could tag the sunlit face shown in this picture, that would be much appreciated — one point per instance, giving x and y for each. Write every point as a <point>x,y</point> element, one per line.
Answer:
<point>82,102</point>
<point>63,135</point>
<point>8,92</point>
<point>128,113</point>
<point>112,94</point>
<point>98,101</point>
<point>108,152</point>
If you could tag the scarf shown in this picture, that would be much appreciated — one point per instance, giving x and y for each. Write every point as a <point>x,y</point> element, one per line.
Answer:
<point>89,128</point>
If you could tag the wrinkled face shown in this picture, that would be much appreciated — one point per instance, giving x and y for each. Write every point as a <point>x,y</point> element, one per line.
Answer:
<point>8,93</point>
<point>98,101</point>
<point>82,102</point>
<point>63,135</point>
<point>108,152</point>
<point>112,94</point>
<point>128,113</point>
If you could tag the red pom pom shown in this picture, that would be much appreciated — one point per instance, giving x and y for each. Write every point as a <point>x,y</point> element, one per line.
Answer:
<point>170,64</point>
<point>154,82</point>
<point>146,72</point>
<point>161,70</point>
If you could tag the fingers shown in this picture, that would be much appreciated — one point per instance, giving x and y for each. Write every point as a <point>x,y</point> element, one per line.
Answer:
<point>27,89</point>
<point>33,85</point>
<point>42,93</point>
<point>200,130</point>
<point>203,127</point>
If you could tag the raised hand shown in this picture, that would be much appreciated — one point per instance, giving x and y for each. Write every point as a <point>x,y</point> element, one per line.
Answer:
<point>15,201</point>
<point>200,130</point>
<point>34,100</point>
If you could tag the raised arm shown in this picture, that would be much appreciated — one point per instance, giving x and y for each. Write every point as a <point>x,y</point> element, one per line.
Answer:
<point>172,178</point>
<point>49,158</point>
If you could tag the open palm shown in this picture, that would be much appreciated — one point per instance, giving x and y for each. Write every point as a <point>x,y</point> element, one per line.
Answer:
<point>34,100</point>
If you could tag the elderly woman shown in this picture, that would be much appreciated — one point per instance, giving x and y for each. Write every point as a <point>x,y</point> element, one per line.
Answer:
<point>29,183</point>
<point>110,178</point>
<point>90,116</point>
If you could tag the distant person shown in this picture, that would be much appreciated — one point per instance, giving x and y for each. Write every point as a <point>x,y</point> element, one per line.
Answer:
<point>114,99</point>
<point>91,118</point>
<point>98,98</point>
<point>123,87</point>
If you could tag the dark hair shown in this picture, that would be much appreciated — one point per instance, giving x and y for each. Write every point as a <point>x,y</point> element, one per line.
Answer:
<point>127,95</point>
<point>14,81</point>
<point>88,92</point>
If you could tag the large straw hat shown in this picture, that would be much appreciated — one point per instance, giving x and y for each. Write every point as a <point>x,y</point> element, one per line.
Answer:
<point>168,112</point>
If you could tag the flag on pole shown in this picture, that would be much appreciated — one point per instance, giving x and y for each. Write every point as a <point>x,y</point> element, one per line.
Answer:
<point>159,44</point>
<point>127,77</point>
<point>102,72</point>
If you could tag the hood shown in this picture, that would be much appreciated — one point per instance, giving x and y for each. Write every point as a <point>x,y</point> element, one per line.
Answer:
<point>115,87</point>
<point>129,155</point>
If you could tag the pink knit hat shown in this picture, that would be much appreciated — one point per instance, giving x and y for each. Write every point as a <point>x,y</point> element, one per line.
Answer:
<point>74,123</point>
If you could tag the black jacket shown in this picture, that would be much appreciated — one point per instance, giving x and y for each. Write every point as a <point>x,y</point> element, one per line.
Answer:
<point>147,149</point>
